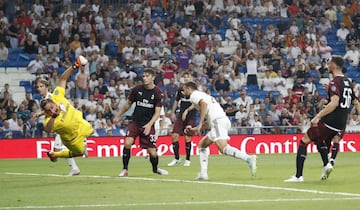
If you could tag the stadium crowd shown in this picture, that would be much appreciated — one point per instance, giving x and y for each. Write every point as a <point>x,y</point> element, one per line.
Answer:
<point>244,53</point>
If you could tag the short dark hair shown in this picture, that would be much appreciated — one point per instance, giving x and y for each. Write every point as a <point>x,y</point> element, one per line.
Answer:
<point>149,71</point>
<point>191,85</point>
<point>43,103</point>
<point>339,61</point>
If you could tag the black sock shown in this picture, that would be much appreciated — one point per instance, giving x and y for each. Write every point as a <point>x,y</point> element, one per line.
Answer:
<point>324,151</point>
<point>126,158</point>
<point>154,162</point>
<point>176,149</point>
<point>188,150</point>
<point>300,158</point>
<point>335,150</point>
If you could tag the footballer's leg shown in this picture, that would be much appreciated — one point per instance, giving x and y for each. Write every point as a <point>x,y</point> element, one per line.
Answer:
<point>187,150</point>
<point>204,158</point>
<point>71,162</point>
<point>175,146</point>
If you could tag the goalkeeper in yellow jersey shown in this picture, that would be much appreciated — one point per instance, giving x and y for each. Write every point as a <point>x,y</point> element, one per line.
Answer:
<point>64,119</point>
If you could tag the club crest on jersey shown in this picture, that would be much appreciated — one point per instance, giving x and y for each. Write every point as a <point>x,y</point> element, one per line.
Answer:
<point>140,93</point>
<point>56,92</point>
<point>333,88</point>
<point>152,97</point>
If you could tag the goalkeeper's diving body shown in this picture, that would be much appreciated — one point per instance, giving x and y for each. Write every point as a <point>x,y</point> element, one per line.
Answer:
<point>61,117</point>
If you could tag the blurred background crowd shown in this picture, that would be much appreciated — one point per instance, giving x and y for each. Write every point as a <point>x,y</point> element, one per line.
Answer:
<point>265,61</point>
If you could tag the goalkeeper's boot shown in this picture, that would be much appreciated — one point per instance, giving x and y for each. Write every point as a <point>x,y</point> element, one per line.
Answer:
<point>74,172</point>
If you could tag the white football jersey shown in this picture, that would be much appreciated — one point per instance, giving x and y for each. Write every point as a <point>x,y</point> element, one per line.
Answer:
<point>214,110</point>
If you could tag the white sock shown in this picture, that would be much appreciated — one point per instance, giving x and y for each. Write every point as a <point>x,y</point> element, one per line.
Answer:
<point>204,157</point>
<point>72,163</point>
<point>232,151</point>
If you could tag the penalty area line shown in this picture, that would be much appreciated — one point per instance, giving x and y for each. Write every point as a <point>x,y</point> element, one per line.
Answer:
<point>178,203</point>
<point>199,182</point>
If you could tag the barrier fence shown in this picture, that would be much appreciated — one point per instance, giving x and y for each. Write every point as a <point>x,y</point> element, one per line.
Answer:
<point>113,146</point>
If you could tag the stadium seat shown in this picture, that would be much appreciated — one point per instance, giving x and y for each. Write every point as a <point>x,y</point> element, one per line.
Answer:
<point>25,83</point>
<point>36,96</point>
<point>215,94</point>
<point>101,131</point>
<point>17,134</point>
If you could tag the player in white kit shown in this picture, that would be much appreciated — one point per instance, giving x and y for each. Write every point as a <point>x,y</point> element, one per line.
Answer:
<point>42,86</point>
<point>219,125</point>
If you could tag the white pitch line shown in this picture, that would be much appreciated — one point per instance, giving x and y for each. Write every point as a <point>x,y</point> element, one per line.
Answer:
<point>176,203</point>
<point>201,182</point>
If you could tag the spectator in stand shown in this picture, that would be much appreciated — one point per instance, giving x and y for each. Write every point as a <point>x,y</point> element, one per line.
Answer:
<point>75,43</point>
<point>82,84</point>
<point>184,55</point>
<point>352,38</point>
<point>13,33</point>
<point>127,51</point>
<point>170,91</point>
<point>274,112</point>
<point>313,57</point>
<point>169,69</point>
<point>35,65</point>
<point>4,52</point>
<point>92,48</point>
<point>85,30</point>
<point>342,32</point>
<point>222,84</point>
<point>30,46</point>
<point>103,59</point>
<point>244,99</point>
<point>352,56</point>
<point>14,122</point>
<point>252,68</point>
<point>54,36</point>
<point>279,82</point>
<point>268,83</point>
<point>151,37</point>
<point>100,122</point>
<point>98,96</point>
<point>235,82</point>
<point>324,25</point>
<point>232,34</point>
<point>324,50</point>
<point>229,107</point>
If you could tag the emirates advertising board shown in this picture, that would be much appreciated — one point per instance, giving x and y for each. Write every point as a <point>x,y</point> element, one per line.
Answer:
<point>113,146</point>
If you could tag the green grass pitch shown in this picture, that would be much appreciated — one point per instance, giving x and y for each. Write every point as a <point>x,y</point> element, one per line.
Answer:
<point>41,184</point>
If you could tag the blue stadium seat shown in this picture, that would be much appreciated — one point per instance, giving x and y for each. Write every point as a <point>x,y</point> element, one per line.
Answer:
<point>36,96</point>
<point>25,83</point>
<point>101,132</point>
<point>17,134</point>
<point>215,94</point>
<point>116,132</point>
<point>29,89</point>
